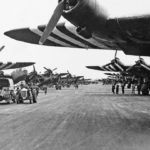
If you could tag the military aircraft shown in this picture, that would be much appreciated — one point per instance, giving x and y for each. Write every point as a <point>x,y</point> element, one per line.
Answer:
<point>18,74</point>
<point>139,69</point>
<point>70,79</point>
<point>114,66</point>
<point>93,27</point>
<point>111,74</point>
<point>86,81</point>
<point>139,74</point>
<point>51,78</point>
<point>48,72</point>
<point>47,78</point>
<point>10,65</point>
<point>33,77</point>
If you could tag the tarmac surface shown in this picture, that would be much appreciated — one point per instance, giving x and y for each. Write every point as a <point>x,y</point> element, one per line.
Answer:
<point>90,118</point>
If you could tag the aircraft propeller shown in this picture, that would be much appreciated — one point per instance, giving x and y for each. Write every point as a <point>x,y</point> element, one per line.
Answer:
<point>53,21</point>
<point>54,69</point>
<point>33,75</point>
<point>34,70</point>
<point>2,47</point>
<point>69,74</point>
<point>47,69</point>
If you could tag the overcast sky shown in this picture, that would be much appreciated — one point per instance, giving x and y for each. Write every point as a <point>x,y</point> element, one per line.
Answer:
<point>31,13</point>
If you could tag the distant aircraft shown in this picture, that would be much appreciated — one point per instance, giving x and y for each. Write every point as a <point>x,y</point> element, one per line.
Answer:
<point>48,71</point>
<point>10,65</point>
<point>33,77</point>
<point>139,69</point>
<point>111,74</point>
<point>51,78</point>
<point>18,74</point>
<point>70,79</point>
<point>91,27</point>
<point>114,66</point>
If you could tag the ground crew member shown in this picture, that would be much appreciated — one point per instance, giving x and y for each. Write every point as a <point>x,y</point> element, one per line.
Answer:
<point>122,87</point>
<point>113,87</point>
<point>117,88</point>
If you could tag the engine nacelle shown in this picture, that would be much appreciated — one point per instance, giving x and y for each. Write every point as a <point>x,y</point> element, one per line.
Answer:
<point>86,13</point>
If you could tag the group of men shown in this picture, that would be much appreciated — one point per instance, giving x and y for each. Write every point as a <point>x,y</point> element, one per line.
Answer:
<point>141,85</point>
<point>116,86</point>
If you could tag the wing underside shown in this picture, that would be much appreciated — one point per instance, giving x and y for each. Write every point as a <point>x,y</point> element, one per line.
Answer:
<point>114,66</point>
<point>130,35</point>
<point>64,35</point>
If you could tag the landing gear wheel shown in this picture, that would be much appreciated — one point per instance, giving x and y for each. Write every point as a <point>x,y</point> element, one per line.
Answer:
<point>8,102</point>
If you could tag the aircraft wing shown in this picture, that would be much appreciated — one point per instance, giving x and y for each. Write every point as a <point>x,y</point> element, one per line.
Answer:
<point>10,65</point>
<point>130,34</point>
<point>141,68</point>
<point>78,77</point>
<point>111,67</point>
<point>63,35</point>
<point>96,68</point>
<point>63,74</point>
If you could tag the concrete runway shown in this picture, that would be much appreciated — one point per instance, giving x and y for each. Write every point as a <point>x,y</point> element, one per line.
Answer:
<point>85,119</point>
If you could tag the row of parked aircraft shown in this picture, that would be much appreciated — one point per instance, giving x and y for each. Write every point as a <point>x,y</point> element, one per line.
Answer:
<point>139,69</point>
<point>49,78</point>
<point>137,74</point>
<point>55,79</point>
<point>93,27</point>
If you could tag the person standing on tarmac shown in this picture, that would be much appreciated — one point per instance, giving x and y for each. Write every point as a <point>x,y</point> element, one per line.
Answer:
<point>45,90</point>
<point>133,88</point>
<point>122,86</point>
<point>139,85</point>
<point>113,87</point>
<point>117,88</point>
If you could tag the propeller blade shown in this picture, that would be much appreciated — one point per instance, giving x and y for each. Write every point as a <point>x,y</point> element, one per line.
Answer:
<point>54,69</point>
<point>47,69</point>
<point>2,48</point>
<point>52,22</point>
<point>34,70</point>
